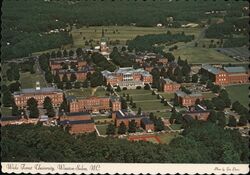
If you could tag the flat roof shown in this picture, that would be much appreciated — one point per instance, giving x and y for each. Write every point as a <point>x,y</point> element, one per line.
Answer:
<point>35,91</point>
<point>210,68</point>
<point>122,115</point>
<point>77,113</point>
<point>238,69</point>
<point>182,94</point>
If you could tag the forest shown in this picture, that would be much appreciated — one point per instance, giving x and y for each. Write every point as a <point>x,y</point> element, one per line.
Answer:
<point>201,142</point>
<point>26,24</point>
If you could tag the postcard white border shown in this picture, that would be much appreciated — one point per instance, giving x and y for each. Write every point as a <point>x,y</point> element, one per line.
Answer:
<point>128,168</point>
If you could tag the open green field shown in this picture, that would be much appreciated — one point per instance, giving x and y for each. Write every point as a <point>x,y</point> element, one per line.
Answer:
<point>208,95</point>
<point>163,114</point>
<point>167,137</point>
<point>122,33</point>
<point>144,99</point>
<point>239,93</point>
<point>29,80</point>
<point>6,111</point>
<point>202,55</point>
<point>102,129</point>
<point>168,96</point>
<point>176,126</point>
<point>86,92</point>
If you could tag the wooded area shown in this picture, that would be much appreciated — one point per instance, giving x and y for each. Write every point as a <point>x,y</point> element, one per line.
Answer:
<point>201,142</point>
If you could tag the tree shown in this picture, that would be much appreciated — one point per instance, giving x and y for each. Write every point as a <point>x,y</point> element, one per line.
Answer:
<point>96,79</point>
<point>68,85</point>
<point>7,99</point>
<point>73,77</point>
<point>53,54</point>
<point>236,106</point>
<point>110,129</point>
<point>49,77</point>
<point>147,87</point>
<point>127,97</point>
<point>77,85</point>
<point>59,54</point>
<point>47,103</point>
<point>132,126</point>
<point>13,87</point>
<point>134,105</point>
<point>243,120</point>
<point>15,111</point>
<point>212,117</point>
<point>32,107</point>
<point>131,101</point>
<point>60,85</point>
<point>221,119</point>
<point>118,89</point>
<point>122,129</point>
<point>65,77</point>
<point>65,53</point>
<point>51,112</point>
<point>124,104</point>
<point>79,52</point>
<point>159,125</point>
<point>57,78</point>
<point>139,111</point>
<point>219,103</point>
<point>71,53</point>
<point>232,121</point>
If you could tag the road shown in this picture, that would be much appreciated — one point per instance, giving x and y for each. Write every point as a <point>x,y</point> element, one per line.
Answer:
<point>40,71</point>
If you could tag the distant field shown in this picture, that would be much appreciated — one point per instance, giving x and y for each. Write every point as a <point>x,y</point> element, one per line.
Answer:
<point>144,99</point>
<point>5,111</point>
<point>168,96</point>
<point>102,129</point>
<point>240,93</point>
<point>202,55</point>
<point>86,92</point>
<point>208,95</point>
<point>122,33</point>
<point>29,80</point>
<point>167,137</point>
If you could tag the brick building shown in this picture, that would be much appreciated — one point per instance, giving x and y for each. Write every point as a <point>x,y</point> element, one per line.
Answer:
<point>147,124</point>
<point>77,122</point>
<point>168,85</point>
<point>187,99</point>
<point>198,115</point>
<point>127,77</point>
<point>39,94</point>
<point>121,116</point>
<point>57,63</point>
<point>226,75</point>
<point>93,104</point>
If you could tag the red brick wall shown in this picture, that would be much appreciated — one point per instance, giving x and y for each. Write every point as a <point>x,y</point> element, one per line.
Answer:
<point>126,121</point>
<point>82,128</point>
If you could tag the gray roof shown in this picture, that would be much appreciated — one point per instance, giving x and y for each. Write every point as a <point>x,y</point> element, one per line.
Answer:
<point>167,80</point>
<point>35,91</point>
<point>146,120</point>
<point>210,68</point>
<point>238,69</point>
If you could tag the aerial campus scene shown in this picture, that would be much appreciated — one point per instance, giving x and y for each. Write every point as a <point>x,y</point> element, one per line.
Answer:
<point>125,81</point>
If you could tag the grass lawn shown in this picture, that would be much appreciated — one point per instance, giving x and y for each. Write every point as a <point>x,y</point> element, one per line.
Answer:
<point>163,114</point>
<point>175,126</point>
<point>202,55</point>
<point>102,129</point>
<point>6,111</point>
<point>168,96</point>
<point>29,80</point>
<point>240,93</point>
<point>208,95</point>
<point>122,33</point>
<point>167,137</point>
<point>86,92</point>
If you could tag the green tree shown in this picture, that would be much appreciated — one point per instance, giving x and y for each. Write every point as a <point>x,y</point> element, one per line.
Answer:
<point>57,78</point>
<point>122,129</point>
<point>212,117</point>
<point>15,111</point>
<point>79,52</point>
<point>159,125</point>
<point>59,54</point>
<point>65,78</point>
<point>139,111</point>
<point>221,119</point>
<point>124,104</point>
<point>118,89</point>
<point>68,85</point>
<point>77,85</point>
<point>14,87</point>
<point>110,129</point>
<point>230,155</point>
<point>49,77</point>
<point>47,103</point>
<point>232,121</point>
<point>96,79</point>
<point>71,53</point>
<point>132,126</point>
<point>7,99</point>
<point>73,77</point>
<point>60,85</point>
<point>32,107</point>
<point>243,120</point>
<point>65,53</point>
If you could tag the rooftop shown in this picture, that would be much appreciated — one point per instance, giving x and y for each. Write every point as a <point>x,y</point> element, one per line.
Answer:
<point>238,69</point>
<point>77,113</point>
<point>125,115</point>
<point>167,80</point>
<point>36,91</point>
<point>210,68</point>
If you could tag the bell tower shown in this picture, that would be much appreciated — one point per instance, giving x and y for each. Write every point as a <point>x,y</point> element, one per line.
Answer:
<point>103,43</point>
<point>38,87</point>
